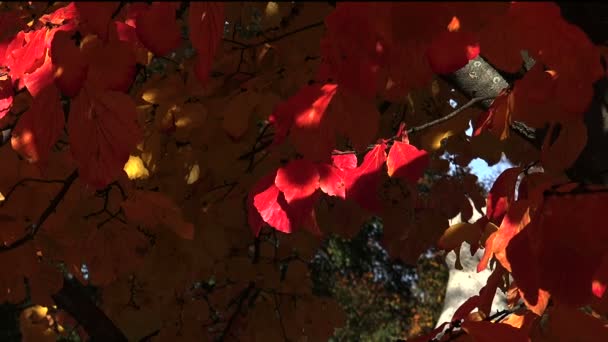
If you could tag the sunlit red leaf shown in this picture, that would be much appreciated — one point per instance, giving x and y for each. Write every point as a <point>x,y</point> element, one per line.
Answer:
<point>39,127</point>
<point>305,115</point>
<point>362,183</point>
<point>253,216</point>
<point>157,28</point>
<point>345,161</point>
<point>331,180</point>
<point>272,207</point>
<point>103,131</point>
<point>206,24</point>
<point>406,161</point>
<point>26,52</point>
<point>298,180</point>
<point>600,278</point>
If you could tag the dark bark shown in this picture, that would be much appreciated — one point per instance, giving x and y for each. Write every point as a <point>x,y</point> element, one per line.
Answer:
<point>73,299</point>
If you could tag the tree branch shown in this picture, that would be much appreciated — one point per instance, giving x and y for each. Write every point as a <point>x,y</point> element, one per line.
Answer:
<point>72,299</point>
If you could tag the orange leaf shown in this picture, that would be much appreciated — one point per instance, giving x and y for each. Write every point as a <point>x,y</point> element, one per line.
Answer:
<point>154,208</point>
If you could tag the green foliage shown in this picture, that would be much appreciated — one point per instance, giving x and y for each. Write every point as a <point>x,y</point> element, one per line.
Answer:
<point>382,298</point>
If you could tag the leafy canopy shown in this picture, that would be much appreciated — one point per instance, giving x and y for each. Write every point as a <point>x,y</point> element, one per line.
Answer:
<point>147,137</point>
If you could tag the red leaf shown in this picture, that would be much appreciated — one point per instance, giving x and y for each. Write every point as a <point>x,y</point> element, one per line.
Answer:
<point>298,180</point>
<point>600,278</point>
<point>332,180</point>
<point>560,252</point>
<point>362,183</point>
<point>347,161</point>
<point>406,161</point>
<point>357,118</point>
<point>311,122</point>
<point>39,127</point>
<point>157,28</point>
<point>26,52</point>
<point>267,203</point>
<point>103,132</point>
<point>69,65</point>
<point>451,51</point>
<point>39,78</point>
<point>62,16</point>
<point>352,49</point>
<point>253,216</point>
<point>95,17</point>
<point>502,194</point>
<point>206,24</point>
<point>111,64</point>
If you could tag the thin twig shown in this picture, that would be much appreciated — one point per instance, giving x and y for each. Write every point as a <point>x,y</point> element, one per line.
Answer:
<point>469,104</point>
<point>239,300</point>
<point>67,183</point>
<point>424,126</point>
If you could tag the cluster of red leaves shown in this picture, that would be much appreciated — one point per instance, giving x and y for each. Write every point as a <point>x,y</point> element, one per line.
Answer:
<point>81,52</point>
<point>285,199</point>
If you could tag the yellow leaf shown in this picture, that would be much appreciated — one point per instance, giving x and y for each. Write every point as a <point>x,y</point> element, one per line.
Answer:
<point>272,15</point>
<point>35,326</point>
<point>136,169</point>
<point>455,235</point>
<point>163,90</point>
<point>237,113</point>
